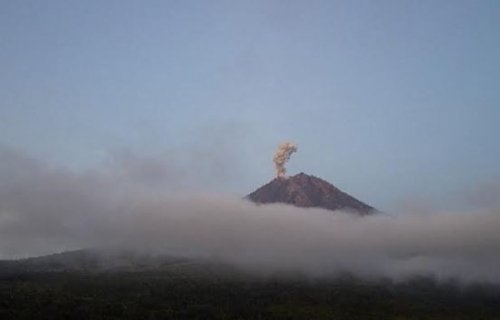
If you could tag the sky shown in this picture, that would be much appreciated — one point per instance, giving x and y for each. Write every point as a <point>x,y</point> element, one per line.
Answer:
<point>388,100</point>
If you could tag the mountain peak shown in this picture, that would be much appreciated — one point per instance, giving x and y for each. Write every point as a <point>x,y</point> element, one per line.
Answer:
<point>303,190</point>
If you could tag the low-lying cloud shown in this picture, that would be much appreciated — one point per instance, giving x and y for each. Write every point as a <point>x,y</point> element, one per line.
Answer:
<point>46,209</point>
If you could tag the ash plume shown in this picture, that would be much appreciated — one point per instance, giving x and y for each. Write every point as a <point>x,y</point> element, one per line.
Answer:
<point>281,157</point>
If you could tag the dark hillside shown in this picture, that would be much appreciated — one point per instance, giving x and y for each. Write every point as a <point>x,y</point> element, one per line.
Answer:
<point>304,190</point>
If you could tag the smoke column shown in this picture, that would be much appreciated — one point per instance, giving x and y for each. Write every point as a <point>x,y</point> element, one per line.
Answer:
<point>282,155</point>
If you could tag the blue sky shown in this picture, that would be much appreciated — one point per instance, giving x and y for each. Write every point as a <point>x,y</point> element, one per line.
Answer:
<point>389,100</point>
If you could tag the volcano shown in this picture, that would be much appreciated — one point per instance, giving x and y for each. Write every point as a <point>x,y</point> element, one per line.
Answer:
<point>308,191</point>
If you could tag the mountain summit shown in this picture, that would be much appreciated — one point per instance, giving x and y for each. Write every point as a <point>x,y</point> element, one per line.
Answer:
<point>304,190</point>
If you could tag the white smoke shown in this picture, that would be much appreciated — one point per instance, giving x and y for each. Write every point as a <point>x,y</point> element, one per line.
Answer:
<point>281,156</point>
<point>45,210</point>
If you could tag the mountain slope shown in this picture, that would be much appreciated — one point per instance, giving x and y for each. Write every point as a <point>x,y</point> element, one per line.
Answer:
<point>94,260</point>
<point>304,190</point>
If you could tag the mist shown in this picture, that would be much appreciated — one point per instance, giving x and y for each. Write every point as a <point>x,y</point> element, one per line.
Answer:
<point>46,209</point>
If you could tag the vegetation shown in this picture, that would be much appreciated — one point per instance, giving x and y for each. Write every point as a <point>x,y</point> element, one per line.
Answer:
<point>174,295</point>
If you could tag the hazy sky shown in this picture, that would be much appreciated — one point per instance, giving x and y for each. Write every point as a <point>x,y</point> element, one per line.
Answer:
<point>389,100</point>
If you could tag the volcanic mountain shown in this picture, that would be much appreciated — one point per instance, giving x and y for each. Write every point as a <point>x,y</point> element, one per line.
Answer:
<point>304,190</point>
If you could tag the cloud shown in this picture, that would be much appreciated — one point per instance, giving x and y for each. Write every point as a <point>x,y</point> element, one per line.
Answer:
<point>46,209</point>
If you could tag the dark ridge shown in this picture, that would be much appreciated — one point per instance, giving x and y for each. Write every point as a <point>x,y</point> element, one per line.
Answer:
<point>90,260</point>
<point>308,191</point>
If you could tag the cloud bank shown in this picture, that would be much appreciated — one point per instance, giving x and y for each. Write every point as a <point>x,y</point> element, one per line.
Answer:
<point>45,209</point>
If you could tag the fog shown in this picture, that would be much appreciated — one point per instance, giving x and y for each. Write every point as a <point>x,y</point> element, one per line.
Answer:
<point>46,209</point>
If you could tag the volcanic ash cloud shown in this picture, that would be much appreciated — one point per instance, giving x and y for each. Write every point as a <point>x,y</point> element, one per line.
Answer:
<point>282,155</point>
